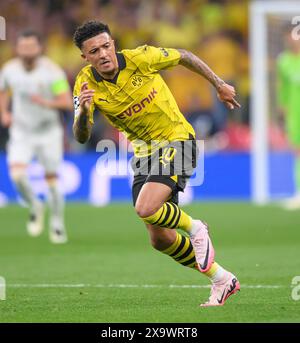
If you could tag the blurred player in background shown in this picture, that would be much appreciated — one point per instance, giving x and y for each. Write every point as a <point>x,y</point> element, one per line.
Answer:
<point>127,89</point>
<point>39,89</point>
<point>288,74</point>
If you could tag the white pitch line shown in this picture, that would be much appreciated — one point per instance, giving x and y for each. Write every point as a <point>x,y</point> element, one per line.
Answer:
<point>83,285</point>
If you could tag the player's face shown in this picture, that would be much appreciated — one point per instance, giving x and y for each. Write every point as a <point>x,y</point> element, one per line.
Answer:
<point>28,48</point>
<point>100,52</point>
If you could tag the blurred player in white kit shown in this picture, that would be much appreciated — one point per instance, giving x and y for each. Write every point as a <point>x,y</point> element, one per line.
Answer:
<point>39,89</point>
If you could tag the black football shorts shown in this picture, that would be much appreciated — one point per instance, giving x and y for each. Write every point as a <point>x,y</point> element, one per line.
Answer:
<point>171,165</point>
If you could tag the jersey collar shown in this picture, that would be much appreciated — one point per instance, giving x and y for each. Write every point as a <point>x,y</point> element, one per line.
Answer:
<point>121,63</point>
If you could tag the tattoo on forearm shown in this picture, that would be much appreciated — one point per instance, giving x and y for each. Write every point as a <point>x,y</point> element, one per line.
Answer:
<point>82,129</point>
<point>194,63</point>
<point>82,121</point>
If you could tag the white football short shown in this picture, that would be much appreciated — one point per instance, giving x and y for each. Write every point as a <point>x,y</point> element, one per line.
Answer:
<point>46,147</point>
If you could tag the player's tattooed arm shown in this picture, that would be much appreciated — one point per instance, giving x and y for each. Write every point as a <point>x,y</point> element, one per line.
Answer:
<point>82,127</point>
<point>226,93</point>
<point>194,63</point>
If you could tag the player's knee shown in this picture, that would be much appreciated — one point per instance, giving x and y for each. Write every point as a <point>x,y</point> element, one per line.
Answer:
<point>144,210</point>
<point>52,179</point>
<point>17,173</point>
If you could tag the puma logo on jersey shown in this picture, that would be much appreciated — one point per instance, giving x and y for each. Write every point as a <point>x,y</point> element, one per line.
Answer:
<point>164,52</point>
<point>136,108</point>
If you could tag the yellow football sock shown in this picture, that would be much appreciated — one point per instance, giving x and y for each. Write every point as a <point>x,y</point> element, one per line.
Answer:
<point>216,273</point>
<point>182,251</point>
<point>171,216</point>
<point>212,271</point>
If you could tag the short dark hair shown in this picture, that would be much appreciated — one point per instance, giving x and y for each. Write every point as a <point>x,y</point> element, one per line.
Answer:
<point>30,33</point>
<point>88,30</point>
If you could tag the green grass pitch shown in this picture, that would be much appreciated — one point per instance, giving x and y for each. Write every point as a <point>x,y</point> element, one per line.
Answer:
<point>108,272</point>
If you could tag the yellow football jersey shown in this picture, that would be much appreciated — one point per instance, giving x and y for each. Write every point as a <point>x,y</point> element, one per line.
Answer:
<point>137,101</point>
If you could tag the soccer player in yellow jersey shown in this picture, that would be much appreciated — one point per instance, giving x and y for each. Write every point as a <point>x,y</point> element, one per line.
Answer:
<point>127,89</point>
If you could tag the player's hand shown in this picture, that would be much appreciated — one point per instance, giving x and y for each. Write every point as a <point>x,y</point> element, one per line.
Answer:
<point>226,94</point>
<point>85,97</point>
<point>6,119</point>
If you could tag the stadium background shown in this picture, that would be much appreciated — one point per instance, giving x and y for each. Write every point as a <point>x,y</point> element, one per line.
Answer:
<point>216,30</point>
<point>249,239</point>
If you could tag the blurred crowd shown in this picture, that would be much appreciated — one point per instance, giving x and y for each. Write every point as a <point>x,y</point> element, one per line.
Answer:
<point>215,30</point>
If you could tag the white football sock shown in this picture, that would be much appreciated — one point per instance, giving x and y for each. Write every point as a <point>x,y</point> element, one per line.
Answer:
<point>26,191</point>
<point>56,206</point>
